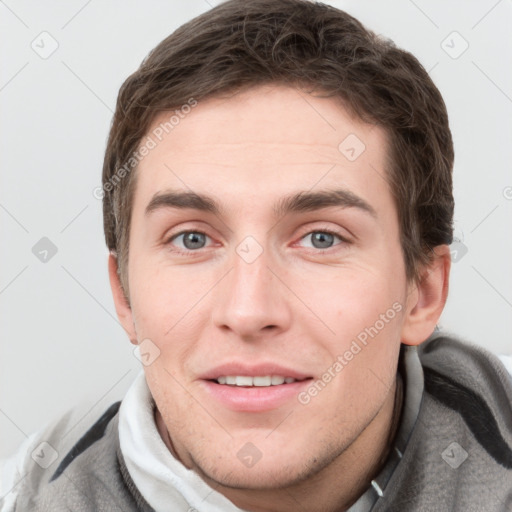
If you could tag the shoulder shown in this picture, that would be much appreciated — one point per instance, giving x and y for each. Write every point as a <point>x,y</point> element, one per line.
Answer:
<point>473,384</point>
<point>468,366</point>
<point>45,454</point>
<point>466,361</point>
<point>459,454</point>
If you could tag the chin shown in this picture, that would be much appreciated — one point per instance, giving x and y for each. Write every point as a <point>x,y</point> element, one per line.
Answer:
<point>281,470</point>
<point>257,479</point>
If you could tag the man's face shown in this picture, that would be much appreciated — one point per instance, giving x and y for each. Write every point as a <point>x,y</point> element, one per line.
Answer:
<point>267,288</point>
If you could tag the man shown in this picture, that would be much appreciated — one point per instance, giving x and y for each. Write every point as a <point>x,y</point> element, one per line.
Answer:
<point>278,209</point>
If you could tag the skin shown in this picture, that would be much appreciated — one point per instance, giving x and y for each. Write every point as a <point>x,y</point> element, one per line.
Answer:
<point>296,304</point>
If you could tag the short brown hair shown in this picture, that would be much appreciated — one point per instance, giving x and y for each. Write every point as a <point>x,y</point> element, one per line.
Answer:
<point>238,45</point>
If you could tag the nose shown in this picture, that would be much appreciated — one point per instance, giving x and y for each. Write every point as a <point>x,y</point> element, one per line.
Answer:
<point>251,301</point>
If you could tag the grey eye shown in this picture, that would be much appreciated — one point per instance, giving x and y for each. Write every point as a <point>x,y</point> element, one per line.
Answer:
<point>192,239</point>
<point>321,239</point>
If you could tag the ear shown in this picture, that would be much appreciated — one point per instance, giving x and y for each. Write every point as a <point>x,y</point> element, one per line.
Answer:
<point>426,298</point>
<point>123,310</point>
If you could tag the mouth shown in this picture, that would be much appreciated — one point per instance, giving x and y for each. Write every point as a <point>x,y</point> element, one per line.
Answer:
<point>247,381</point>
<point>254,389</point>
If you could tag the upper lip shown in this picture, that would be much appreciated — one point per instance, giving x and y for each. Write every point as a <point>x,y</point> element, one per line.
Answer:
<point>252,370</point>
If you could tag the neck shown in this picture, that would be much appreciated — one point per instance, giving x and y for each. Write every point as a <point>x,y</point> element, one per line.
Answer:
<point>336,487</point>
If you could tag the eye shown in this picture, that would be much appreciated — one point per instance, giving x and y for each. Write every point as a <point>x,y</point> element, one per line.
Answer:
<point>190,240</point>
<point>322,239</point>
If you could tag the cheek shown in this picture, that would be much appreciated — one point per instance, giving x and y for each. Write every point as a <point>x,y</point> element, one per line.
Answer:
<point>164,297</point>
<point>356,300</point>
<point>166,391</point>
<point>171,310</point>
<point>366,315</point>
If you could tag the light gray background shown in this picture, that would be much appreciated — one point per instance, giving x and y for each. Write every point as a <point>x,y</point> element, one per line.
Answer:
<point>61,343</point>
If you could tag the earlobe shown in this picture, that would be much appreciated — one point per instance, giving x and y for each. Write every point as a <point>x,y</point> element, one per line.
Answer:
<point>427,298</point>
<point>123,309</point>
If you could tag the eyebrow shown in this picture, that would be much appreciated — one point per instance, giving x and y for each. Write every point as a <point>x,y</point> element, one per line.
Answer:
<point>305,201</point>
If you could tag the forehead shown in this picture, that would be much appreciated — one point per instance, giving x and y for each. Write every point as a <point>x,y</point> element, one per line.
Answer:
<point>263,143</point>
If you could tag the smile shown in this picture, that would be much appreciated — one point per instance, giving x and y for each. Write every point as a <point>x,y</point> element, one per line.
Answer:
<point>258,381</point>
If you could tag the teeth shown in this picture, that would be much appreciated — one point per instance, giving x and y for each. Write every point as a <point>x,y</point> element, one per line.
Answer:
<point>262,381</point>
<point>259,381</point>
<point>244,381</point>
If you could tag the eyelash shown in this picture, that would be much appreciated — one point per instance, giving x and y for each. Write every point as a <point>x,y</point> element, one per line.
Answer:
<point>190,252</point>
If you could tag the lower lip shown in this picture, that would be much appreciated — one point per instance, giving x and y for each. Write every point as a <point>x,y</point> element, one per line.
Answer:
<point>254,399</point>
